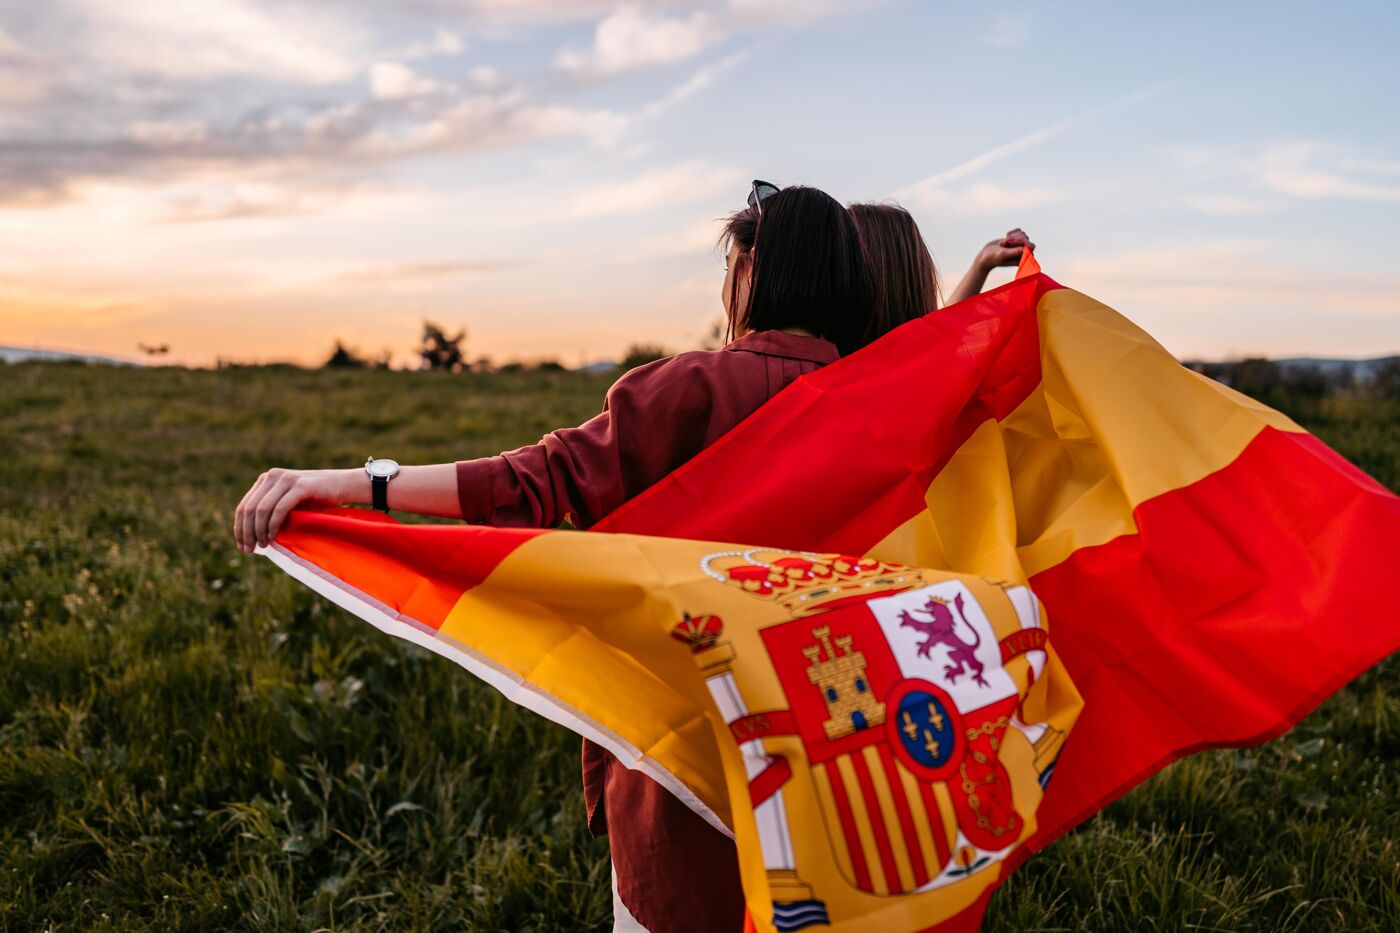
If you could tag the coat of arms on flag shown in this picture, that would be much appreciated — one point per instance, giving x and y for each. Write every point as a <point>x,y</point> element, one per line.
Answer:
<point>894,708</point>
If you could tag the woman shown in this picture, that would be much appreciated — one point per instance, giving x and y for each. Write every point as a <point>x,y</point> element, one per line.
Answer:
<point>903,276</point>
<point>795,293</point>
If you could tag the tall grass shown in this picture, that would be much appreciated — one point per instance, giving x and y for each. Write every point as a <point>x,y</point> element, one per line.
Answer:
<point>190,740</point>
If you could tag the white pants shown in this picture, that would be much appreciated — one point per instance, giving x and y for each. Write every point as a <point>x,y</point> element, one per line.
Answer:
<point>623,921</point>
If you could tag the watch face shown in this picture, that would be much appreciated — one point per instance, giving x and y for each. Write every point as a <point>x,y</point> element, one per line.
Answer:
<point>382,467</point>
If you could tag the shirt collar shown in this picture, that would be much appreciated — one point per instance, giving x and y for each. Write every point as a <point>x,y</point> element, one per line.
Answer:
<point>789,346</point>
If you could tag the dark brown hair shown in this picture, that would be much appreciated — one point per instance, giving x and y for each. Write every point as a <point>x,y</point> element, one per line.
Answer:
<point>903,280</point>
<point>809,269</point>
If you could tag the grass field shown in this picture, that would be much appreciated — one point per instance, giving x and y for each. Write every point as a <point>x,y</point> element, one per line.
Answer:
<point>189,740</point>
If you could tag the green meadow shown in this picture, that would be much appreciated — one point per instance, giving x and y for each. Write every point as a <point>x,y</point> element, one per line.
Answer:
<point>189,740</point>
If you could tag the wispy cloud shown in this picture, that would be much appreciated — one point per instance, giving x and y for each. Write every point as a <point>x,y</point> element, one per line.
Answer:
<point>1010,29</point>
<point>987,198</point>
<point>414,272</point>
<point>1319,170</point>
<point>697,82</point>
<point>1232,204</point>
<point>682,184</point>
<point>930,189</point>
<point>1229,275</point>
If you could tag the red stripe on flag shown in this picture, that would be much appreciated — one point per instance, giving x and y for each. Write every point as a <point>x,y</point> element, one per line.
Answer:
<point>935,827</point>
<point>768,781</point>
<point>848,825</point>
<point>989,350</point>
<point>877,823</point>
<point>906,819</point>
<point>420,571</point>
<point>1282,590</point>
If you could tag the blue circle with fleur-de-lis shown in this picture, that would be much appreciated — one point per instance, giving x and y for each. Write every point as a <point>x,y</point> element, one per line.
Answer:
<point>926,727</point>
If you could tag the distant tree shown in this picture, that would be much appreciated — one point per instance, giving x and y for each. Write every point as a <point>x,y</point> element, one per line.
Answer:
<point>1385,381</point>
<point>345,358</point>
<point>1305,381</point>
<point>1258,378</point>
<point>714,335</point>
<point>441,352</point>
<point>639,354</point>
<point>484,364</point>
<point>511,366</point>
<point>549,366</point>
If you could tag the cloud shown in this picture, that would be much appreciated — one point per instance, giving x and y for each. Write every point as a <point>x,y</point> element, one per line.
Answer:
<point>443,42</point>
<point>486,77</point>
<point>986,198</point>
<point>1299,183</point>
<point>697,82</point>
<point>1372,166</point>
<point>417,272</point>
<point>1273,175</point>
<point>218,38</point>
<point>1232,204</point>
<point>1009,30</point>
<point>630,39</point>
<point>12,50</point>
<point>393,81</point>
<point>931,187</point>
<point>243,199</point>
<point>682,184</point>
<point>290,141</point>
<point>697,238</point>
<point>787,14</point>
<point>1228,275</point>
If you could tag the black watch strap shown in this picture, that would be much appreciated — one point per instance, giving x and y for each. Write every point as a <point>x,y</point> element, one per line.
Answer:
<point>379,486</point>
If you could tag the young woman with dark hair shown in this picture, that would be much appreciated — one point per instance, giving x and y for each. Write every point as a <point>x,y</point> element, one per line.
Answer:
<point>796,293</point>
<point>904,280</point>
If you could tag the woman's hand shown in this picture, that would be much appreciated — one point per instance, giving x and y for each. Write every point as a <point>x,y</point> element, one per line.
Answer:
<point>1004,252</point>
<point>264,507</point>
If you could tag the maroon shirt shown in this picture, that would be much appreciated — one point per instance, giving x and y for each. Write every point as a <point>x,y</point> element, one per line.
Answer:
<point>655,418</point>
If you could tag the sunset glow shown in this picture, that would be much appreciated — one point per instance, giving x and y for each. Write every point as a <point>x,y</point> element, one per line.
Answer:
<point>251,181</point>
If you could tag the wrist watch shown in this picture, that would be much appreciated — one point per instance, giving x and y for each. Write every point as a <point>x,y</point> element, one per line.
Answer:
<point>380,472</point>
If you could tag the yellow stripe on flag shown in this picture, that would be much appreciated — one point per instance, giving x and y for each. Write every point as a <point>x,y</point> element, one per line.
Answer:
<point>1101,376</point>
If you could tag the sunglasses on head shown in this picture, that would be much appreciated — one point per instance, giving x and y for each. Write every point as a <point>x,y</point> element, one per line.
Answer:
<point>761,191</point>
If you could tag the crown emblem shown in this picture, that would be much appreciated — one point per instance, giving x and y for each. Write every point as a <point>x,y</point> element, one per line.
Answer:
<point>803,582</point>
<point>698,632</point>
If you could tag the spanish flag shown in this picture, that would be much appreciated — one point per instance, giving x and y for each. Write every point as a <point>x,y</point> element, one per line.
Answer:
<point>927,609</point>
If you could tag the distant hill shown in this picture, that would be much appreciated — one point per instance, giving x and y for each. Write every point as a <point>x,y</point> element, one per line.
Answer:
<point>26,354</point>
<point>1332,371</point>
<point>602,366</point>
<point>1363,370</point>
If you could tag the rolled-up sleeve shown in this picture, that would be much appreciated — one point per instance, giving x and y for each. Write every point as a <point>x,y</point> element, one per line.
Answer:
<point>655,418</point>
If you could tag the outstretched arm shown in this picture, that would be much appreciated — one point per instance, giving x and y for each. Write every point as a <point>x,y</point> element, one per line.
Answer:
<point>426,490</point>
<point>1004,252</point>
<point>656,417</point>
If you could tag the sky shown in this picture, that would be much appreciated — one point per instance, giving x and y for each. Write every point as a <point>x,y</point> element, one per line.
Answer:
<point>252,180</point>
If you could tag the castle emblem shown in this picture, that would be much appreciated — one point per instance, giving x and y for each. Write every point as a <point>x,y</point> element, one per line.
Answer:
<point>843,684</point>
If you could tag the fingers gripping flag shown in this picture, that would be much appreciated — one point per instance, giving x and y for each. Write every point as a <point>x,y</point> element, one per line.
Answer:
<point>1010,540</point>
